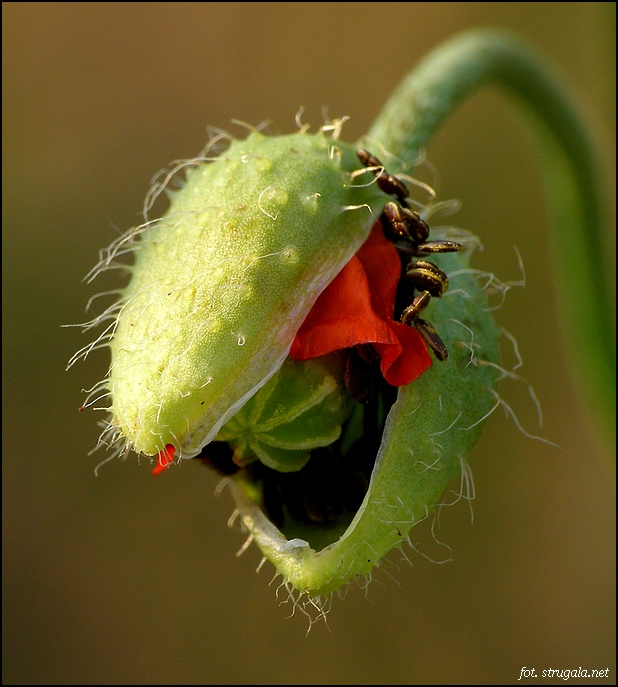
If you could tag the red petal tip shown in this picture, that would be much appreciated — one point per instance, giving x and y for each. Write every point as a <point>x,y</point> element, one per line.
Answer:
<point>164,459</point>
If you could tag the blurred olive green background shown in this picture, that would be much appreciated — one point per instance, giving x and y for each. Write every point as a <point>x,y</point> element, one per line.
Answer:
<point>125,578</point>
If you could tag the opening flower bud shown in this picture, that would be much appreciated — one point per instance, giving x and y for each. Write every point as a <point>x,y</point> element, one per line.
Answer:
<point>272,329</point>
<point>295,322</point>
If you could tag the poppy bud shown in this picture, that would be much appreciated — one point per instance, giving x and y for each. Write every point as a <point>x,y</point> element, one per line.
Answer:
<point>265,331</point>
<point>274,325</point>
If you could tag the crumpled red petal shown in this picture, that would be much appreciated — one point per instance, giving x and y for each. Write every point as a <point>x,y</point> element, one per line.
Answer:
<point>357,307</point>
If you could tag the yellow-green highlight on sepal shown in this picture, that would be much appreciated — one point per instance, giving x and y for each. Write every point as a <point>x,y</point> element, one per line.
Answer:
<point>223,281</point>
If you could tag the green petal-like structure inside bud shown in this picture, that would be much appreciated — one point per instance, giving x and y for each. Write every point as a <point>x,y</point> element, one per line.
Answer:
<point>302,407</point>
<point>222,282</point>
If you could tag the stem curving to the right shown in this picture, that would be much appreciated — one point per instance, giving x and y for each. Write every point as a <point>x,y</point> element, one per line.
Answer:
<point>572,178</point>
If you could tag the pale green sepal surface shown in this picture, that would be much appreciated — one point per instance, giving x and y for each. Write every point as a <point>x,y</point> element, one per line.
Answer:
<point>223,281</point>
<point>428,437</point>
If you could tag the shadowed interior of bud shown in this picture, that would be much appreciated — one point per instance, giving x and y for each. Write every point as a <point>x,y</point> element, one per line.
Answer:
<point>307,442</point>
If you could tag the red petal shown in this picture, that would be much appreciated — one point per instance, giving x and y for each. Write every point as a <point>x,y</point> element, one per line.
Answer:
<point>358,307</point>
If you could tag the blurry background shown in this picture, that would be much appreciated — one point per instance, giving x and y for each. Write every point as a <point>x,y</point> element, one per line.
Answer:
<point>129,579</point>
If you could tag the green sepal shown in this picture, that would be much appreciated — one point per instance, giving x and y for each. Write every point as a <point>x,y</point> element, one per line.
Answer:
<point>224,280</point>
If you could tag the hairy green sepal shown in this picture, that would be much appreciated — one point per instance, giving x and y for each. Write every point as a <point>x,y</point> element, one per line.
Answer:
<point>223,281</point>
<point>428,436</point>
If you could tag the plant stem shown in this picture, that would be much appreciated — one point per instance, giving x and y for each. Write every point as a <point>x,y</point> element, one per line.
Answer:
<point>456,70</point>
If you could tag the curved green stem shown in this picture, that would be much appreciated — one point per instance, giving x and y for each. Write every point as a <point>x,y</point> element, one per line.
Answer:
<point>456,70</point>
